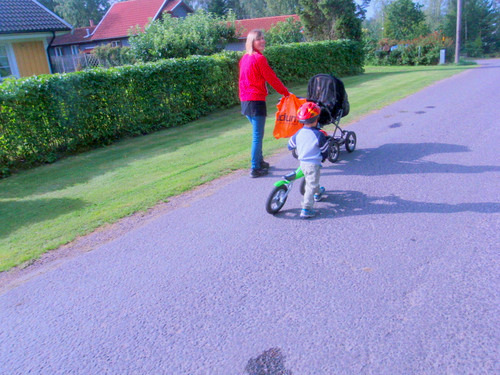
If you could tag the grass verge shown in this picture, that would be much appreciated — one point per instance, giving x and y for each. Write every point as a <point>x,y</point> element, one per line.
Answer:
<point>51,205</point>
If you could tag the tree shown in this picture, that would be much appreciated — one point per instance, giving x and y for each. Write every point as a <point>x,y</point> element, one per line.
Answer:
<point>480,26</point>
<point>373,29</point>
<point>197,4</point>
<point>330,19</point>
<point>362,8</point>
<point>404,20</point>
<point>434,11</point>
<point>49,4</point>
<point>253,9</point>
<point>79,12</point>
<point>238,7</point>
<point>314,21</point>
<point>282,7</point>
<point>219,7</point>
<point>246,8</point>
<point>200,33</point>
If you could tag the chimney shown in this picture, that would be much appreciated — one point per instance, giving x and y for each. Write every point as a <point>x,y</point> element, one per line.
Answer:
<point>91,23</point>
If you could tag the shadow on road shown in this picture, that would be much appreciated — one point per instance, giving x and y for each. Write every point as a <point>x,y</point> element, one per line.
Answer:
<point>392,159</point>
<point>343,203</point>
<point>396,158</point>
<point>402,158</point>
<point>351,203</point>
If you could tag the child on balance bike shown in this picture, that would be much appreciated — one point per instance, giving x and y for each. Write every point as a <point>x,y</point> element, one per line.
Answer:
<point>311,146</point>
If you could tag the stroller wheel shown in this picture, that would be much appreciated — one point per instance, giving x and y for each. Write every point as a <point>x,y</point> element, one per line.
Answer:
<point>350,141</point>
<point>333,151</point>
<point>294,153</point>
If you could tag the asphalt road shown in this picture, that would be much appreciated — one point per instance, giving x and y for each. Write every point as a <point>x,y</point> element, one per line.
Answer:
<point>399,273</point>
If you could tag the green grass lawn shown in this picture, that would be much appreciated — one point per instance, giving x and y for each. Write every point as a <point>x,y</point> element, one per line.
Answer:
<point>43,208</point>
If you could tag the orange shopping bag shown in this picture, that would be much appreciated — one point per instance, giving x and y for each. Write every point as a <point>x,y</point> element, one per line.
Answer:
<point>286,123</point>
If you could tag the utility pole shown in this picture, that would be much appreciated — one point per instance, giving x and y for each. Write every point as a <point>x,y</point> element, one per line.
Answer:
<point>457,38</point>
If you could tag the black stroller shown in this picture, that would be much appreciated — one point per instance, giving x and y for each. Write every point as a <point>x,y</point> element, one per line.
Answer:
<point>329,93</point>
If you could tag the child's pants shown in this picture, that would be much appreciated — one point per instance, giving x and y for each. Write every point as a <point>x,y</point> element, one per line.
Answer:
<point>311,175</point>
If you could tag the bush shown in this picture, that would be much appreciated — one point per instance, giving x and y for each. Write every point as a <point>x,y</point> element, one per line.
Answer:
<point>199,33</point>
<point>289,31</point>
<point>114,56</point>
<point>43,118</point>
<point>420,51</point>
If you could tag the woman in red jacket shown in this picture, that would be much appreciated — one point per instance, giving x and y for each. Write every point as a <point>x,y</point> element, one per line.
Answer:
<point>254,73</point>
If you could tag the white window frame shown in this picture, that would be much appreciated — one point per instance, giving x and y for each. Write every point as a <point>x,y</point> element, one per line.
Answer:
<point>58,51</point>
<point>74,50</point>
<point>116,43</point>
<point>11,58</point>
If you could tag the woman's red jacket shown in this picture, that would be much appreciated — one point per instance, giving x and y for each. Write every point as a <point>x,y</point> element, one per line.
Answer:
<point>254,72</point>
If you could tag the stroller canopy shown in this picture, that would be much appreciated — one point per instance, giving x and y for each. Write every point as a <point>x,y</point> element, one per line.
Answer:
<point>330,91</point>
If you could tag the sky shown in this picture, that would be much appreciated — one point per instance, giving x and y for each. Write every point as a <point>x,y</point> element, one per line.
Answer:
<point>369,11</point>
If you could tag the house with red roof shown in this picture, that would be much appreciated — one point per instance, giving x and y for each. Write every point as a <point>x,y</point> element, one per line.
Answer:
<point>66,51</point>
<point>243,27</point>
<point>70,50</point>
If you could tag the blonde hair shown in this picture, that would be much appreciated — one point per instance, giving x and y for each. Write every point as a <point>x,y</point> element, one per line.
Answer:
<point>252,37</point>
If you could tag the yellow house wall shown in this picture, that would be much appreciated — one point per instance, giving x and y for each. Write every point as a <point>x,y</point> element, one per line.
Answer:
<point>31,58</point>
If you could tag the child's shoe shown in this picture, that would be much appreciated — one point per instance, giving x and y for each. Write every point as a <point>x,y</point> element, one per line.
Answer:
<point>264,165</point>
<point>307,214</point>
<point>319,196</point>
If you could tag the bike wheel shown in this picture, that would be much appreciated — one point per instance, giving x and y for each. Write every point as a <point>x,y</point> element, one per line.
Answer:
<point>350,141</point>
<point>276,199</point>
<point>333,152</point>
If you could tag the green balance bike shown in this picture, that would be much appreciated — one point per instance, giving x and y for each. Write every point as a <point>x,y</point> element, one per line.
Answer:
<point>282,188</point>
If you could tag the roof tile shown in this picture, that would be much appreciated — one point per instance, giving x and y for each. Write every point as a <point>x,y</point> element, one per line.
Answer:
<point>124,15</point>
<point>21,16</point>
<point>171,5</point>
<point>78,35</point>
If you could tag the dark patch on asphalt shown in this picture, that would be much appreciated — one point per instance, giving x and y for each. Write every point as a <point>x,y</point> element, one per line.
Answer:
<point>270,362</point>
<point>396,125</point>
<point>420,112</point>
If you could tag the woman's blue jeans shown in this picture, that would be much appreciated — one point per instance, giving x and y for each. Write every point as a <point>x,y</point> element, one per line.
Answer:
<point>258,124</point>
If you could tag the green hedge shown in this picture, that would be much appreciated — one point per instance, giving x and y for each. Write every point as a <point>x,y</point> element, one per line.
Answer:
<point>298,62</point>
<point>43,118</point>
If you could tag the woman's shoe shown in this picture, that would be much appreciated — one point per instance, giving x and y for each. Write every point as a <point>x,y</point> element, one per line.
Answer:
<point>258,172</point>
